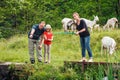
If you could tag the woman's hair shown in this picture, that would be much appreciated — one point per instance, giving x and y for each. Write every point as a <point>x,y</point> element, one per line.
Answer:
<point>76,14</point>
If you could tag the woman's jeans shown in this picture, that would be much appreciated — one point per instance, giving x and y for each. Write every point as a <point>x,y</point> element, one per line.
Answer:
<point>85,45</point>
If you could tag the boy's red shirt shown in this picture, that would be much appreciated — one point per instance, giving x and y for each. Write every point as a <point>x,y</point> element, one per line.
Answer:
<point>48,36</point>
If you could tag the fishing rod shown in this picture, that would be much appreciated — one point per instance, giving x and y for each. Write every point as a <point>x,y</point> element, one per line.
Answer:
<point>63,32</point>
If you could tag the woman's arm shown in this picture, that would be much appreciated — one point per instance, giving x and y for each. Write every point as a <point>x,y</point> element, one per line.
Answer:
<point>82,30</point>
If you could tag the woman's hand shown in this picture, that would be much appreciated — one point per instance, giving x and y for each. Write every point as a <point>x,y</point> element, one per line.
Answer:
<point>77,33</point>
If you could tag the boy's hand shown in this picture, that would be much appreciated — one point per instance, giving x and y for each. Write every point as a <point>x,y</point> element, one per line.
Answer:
<point>49,39</point>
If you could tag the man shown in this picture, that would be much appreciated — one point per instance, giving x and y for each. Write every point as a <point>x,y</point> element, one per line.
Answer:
<point>35,37</point>
<point>84,34</point>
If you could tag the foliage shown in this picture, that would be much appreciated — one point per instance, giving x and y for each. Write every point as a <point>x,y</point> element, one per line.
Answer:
<point>17,16</point>
<point>22,14</point>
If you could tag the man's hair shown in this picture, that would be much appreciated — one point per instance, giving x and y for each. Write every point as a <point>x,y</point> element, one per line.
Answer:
<point>42,22</point>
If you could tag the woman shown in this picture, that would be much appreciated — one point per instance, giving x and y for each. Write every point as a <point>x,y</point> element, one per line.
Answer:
<point>84,34</point>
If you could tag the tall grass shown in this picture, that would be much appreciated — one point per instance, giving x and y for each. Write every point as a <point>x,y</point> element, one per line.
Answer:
<point>65,47</point>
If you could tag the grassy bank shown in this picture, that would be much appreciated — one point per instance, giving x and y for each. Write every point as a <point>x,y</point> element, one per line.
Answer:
<point>65,47</point>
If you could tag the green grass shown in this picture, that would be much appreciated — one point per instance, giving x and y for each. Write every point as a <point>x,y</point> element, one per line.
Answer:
<point>65,47</point>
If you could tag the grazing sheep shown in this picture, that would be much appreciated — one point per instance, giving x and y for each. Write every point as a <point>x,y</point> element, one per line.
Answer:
<point>109,44</point>
<point>97,27</point>
<point>90,23</point>
<point>111,23</point>
<point>105,78</point>
<point>68,24</point>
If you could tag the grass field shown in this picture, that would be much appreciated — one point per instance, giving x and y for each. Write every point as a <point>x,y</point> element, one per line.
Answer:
<point>65,47</point>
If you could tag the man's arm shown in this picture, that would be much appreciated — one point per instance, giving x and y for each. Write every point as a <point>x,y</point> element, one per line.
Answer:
<point>31,33</point>
<point>41,41</point>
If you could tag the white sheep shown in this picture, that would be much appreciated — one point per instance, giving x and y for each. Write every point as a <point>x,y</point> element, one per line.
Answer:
<point>109,44</point>
<point>68,24</point>
<point>97,27</point>
<point>111,23</point>
<point>90,23</point>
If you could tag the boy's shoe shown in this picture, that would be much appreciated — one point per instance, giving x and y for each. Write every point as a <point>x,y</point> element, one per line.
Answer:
<point>90,60</point>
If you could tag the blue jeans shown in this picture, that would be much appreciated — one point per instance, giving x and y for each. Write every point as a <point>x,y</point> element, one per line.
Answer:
<point>85,45</point>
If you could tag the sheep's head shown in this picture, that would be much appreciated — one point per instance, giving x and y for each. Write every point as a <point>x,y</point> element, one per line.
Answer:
<point>96,18</point>
<point>70,22</point>
<point>112,50</point>
<point>115,19</point>
<point>113,47</point>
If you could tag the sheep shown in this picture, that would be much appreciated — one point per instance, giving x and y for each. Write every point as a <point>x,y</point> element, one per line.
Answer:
<point>68,24</point>
<point>111,23</point>
<point>97,27</point>
<point>90,23</point>
<point>109,44</point>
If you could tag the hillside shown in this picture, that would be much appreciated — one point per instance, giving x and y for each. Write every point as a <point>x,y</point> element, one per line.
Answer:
<point>64,47</point>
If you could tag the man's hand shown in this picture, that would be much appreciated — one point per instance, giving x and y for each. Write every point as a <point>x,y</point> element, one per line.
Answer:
<point>31,36</point>
<point>39,47</point>
<point>32,32</point>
